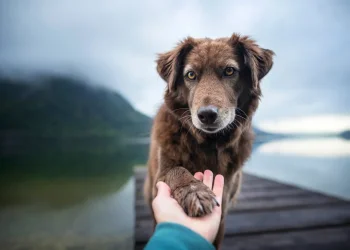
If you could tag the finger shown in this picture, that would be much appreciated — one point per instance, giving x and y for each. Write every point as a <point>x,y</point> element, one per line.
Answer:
<point>208,178</point>
<point>163,189</point>
<point>218,188</point>
<point>199,176</point>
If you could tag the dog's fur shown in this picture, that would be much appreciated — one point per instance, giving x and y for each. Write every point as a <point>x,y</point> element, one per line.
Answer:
<point>180,144</point>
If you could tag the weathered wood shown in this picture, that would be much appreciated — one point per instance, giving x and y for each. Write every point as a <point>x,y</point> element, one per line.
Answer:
<point>319,239</point>
<point>281,203</point>
<point>246,187</point>
<point>261,197</point>
<point>269,215</point>
<point>271,221</point>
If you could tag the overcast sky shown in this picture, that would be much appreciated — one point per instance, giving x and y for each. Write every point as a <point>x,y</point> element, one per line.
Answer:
<point>114,43</point>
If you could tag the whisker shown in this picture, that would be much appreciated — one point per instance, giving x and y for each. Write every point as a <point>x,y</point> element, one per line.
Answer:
<point>192,126</point>
<point>186,113</point>
<point>185,119</point>
<point>183,122</point>
<point>239,109</point>
<point>242,117</point>
<point>186,116</point>
<point>180,109</point>
<point>237,125</point>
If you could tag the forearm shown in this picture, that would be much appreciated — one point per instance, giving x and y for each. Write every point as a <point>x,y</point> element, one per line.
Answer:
<point>171,236</point>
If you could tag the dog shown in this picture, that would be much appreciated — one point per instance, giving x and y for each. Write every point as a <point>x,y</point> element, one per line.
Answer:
<point>205,122</point>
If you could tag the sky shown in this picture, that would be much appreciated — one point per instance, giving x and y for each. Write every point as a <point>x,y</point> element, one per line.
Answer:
<point>115,44</point>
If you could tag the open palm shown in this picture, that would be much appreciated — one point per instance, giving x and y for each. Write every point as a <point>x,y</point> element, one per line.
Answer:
<point>166,209</point>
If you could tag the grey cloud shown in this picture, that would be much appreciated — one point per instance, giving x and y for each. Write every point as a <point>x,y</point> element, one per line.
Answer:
<point>115,44</point>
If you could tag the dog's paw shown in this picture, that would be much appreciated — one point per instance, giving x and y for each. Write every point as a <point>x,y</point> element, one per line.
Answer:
<point>196,199</point>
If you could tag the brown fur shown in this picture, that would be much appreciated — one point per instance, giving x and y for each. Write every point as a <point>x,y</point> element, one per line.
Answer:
<point>178,148</point>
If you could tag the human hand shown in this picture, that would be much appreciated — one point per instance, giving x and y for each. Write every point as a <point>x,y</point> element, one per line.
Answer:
<point>166,208</point>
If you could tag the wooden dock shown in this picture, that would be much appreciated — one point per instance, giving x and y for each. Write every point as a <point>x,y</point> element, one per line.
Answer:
<point>269,215</point>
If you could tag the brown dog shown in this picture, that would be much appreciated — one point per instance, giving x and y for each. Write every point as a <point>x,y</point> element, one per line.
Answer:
<point>205,122</point>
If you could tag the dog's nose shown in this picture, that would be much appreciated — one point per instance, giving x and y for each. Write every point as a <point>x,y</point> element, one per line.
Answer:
<point>207,114</point>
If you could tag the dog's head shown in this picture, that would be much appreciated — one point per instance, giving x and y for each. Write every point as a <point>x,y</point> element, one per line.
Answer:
<point>214,80</point>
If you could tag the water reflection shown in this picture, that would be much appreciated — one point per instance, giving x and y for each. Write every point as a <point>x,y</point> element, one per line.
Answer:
<point>314,147</point>
<point>321,164</point>
<point>102,222</point>
<point>83,197</point>
<point>68,193</point>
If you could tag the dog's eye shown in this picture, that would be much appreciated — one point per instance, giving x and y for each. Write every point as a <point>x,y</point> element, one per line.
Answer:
<point>191,75</point>
<point>229,71</point>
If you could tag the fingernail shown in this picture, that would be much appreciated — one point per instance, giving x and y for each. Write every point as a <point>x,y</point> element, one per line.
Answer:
<point>208,172</point>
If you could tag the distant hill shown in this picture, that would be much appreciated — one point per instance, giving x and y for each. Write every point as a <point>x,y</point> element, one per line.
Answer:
<point>259,132</point>
<point>262,136</point>
<point>51,104</point>
<point>345,134</point>
<point>64,105</point>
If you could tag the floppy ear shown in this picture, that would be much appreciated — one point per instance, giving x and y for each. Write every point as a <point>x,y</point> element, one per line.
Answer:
<point>258,60</point>
<point>170,64</point>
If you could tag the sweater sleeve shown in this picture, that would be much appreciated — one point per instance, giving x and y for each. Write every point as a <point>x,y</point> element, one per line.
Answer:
<point>172,236</point>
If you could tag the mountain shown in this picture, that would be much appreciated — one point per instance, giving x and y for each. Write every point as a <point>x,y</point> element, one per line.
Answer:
<point>65,105</point>
<point>259,132</point>
<point>262,136</point>
<point>53,104</point>
<point>345,134</point>
<point>54,126</point>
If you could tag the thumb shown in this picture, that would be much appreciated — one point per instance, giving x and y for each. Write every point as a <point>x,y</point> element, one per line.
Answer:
<point>163,189</point>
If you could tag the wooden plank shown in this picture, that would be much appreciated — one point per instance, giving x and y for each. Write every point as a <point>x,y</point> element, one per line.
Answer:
<point>270,215</point>
<point>289,202</point>
<point>260,185</point>
<point>245,187</point>
<point>267,185</point>
<point>287,194</point>
<point>260,196</point>
<point>288,219</point>
<point>320,239</point>
<point>264,202</point>
<point>271,221</point>
<point>281,203</point>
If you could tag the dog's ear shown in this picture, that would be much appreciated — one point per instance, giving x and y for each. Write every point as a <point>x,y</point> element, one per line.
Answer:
<point>170,64</point>
<point>258,60</point>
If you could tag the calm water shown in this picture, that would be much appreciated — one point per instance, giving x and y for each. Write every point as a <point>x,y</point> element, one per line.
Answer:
<point>60,209</point>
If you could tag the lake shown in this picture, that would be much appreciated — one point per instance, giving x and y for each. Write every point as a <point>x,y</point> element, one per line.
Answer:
<point>78,194</point>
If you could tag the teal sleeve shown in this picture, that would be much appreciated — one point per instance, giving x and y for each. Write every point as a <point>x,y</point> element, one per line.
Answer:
<point>172,236</point>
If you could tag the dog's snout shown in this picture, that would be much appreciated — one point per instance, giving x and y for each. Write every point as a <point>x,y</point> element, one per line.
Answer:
<point>208,114</point>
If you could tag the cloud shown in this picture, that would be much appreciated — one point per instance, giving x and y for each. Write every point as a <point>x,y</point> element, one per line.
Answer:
<point>115,43</point>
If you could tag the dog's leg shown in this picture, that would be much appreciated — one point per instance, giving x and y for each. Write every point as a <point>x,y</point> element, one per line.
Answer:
<point>224,206</point>
<point>147,190</point>
<point>236,187</point>
<point>220,236</point>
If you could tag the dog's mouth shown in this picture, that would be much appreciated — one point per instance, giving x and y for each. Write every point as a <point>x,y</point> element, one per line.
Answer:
<point>211,129</point>
<point>223,120</point>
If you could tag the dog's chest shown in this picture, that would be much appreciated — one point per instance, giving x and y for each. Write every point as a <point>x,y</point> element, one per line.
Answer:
<point>202,157</point>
